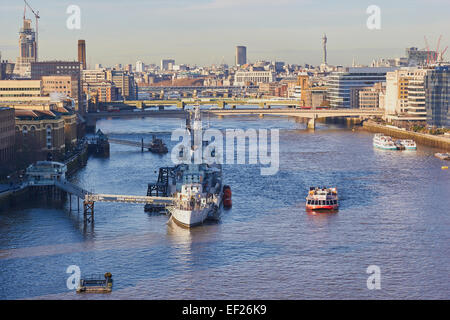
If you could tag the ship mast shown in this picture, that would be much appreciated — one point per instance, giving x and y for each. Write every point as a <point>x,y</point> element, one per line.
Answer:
<point>194,126</point>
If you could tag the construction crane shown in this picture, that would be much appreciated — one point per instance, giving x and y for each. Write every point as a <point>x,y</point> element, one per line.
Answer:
<point>435,57</point>
<point>36,15</point>
<point>437,49</point>
<point>428,50</point>
<point>442,53</point>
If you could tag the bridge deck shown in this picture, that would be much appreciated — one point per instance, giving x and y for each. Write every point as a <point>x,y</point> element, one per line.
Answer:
<point>299,112</point>
<point>128,199</point>
<point>92,197</point>
<point>71,188</point>
<point>308,113</point>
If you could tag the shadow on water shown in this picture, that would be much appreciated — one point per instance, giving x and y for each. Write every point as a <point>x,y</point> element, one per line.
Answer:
<point>202,247</point>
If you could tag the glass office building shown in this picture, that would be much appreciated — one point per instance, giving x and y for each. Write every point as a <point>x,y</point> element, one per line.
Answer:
<point>436,97</point>
<point>341,83</point>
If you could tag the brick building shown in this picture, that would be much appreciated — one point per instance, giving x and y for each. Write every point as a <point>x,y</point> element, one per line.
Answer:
<point>64,85</point>
<point>6,140</point>
<point>39,135</point>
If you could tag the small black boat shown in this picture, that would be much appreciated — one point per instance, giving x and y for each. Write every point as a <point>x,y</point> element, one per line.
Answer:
<point>158,146</point>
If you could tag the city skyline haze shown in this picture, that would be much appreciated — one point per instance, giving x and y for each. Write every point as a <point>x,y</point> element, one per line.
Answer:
<point>205,32</point>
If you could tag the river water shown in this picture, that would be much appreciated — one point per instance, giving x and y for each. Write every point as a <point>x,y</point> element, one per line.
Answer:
<point>394,214</point>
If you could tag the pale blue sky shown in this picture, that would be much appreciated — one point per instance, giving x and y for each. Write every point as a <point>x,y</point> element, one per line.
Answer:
<point>204,32</point>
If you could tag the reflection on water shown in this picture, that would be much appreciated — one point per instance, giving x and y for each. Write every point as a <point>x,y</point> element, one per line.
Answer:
<point>393,213</point>
<point>321,215</point>
<point>179,235</point>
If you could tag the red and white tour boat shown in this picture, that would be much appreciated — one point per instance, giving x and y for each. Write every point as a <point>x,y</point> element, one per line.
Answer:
<point>322,199</point>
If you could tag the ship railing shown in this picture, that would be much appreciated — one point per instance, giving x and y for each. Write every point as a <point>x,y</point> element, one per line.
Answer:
<point>187,205</point>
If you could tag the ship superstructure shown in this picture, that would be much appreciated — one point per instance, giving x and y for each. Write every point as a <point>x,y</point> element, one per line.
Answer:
<point>196,187</point>
<point>384,142</point>
<point>409,144</point>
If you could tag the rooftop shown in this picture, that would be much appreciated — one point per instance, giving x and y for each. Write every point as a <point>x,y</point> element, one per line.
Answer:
<point>24,114</point>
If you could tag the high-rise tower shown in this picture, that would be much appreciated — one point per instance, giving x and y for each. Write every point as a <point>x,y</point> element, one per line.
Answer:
<point>27,42</point>
<point>28,49</point>
<point>82,53</point>
<point>241,55</point>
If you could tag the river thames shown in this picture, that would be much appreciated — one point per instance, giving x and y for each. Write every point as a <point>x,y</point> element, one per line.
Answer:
<point>394,213</point>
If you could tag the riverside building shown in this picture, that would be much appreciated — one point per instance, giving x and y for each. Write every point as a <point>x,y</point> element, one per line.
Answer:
<point>405,95</point>
<point>437,97</point>
<point>6,140</point>
<point>341,83</point>
<point>39,135</point>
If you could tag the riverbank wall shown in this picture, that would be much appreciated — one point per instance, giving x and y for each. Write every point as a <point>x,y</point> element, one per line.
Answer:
<point>10,198</point>
<point>425,139</point>
<point>78,161</point>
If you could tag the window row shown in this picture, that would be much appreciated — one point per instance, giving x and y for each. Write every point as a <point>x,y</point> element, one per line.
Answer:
<point>322,202</point>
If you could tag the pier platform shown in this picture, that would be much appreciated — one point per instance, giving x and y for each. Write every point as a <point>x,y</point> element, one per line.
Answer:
<point>96,284</point>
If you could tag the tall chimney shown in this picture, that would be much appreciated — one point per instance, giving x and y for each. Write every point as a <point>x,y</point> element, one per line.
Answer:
<point>82,53</point>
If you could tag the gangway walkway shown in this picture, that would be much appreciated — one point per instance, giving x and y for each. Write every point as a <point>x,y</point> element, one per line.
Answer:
<point>71,188</point>
<point>128,199</point>
<point>89,198</point>
<point>139,144</point>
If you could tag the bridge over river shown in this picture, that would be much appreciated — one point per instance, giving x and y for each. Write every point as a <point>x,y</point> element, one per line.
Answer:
<point>284,108</point>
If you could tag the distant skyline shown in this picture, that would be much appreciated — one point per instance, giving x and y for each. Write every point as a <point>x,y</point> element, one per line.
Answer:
<point>206,32</point>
